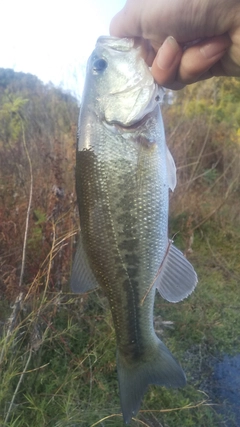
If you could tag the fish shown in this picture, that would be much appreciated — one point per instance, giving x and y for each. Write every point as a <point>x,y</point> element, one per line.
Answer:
<point>124,171</point>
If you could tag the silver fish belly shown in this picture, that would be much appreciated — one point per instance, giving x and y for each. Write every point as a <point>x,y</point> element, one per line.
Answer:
<point>123,174</point>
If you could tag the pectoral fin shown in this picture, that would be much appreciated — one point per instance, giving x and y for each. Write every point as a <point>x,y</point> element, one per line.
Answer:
<point>82,278</point>
<point>171,170</point>
<point>177,278</point>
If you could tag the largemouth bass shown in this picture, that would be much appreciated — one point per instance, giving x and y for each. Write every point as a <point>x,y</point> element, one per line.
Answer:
<point>123,174</point>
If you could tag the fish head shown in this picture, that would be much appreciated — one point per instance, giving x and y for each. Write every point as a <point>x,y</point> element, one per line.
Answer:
<point>120,82</point>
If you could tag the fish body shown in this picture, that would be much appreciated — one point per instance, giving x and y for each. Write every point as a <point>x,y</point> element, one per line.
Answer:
<point>123,174</point>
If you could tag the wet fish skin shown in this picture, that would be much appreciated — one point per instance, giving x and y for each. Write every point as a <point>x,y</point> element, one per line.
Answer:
<point>123,175</point>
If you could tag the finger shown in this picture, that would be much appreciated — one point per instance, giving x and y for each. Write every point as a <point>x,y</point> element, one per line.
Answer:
<point>199,60</point>
<point>166,64</point>
<point>147,51</point>
<point>125,22</point>
<point>115,28</point>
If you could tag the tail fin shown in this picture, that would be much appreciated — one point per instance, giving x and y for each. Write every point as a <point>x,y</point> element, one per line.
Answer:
<point>157,367</point>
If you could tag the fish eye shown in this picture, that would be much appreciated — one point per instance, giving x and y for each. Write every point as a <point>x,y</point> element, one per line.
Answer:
<point>99,65</point>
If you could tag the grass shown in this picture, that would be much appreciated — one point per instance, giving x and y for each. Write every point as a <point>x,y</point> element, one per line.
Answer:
<point>58,366</point>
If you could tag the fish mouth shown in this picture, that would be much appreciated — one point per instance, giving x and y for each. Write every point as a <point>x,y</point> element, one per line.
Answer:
<point>127,104</point>
<point>138,115</point>
<point>133,126</point>
<point>120,44</point>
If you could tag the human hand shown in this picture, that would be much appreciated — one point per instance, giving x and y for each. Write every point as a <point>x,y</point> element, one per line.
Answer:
<point>184,40</point>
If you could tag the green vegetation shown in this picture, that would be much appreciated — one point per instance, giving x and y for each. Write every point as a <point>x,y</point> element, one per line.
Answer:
<point>57,350</point>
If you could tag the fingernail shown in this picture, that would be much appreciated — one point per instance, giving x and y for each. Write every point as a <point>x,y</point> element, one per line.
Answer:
<point>212,49</point>
<point>167,53</point>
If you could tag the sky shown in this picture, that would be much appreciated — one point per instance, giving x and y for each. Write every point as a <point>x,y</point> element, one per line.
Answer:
<point>53,39</point>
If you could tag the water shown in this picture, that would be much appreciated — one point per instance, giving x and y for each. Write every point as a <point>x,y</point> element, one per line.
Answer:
<point>223,387</point>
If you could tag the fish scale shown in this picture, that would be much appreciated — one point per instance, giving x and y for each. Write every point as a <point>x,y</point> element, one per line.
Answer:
<point>122,206</point>
<point>123,174</point>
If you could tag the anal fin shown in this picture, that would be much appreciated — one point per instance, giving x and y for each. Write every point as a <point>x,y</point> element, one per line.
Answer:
<point>82,278</point>
<point>177,278</point>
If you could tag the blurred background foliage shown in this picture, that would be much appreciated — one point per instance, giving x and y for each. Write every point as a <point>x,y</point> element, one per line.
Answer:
<point>45,119</point>
<point>203,128</point>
